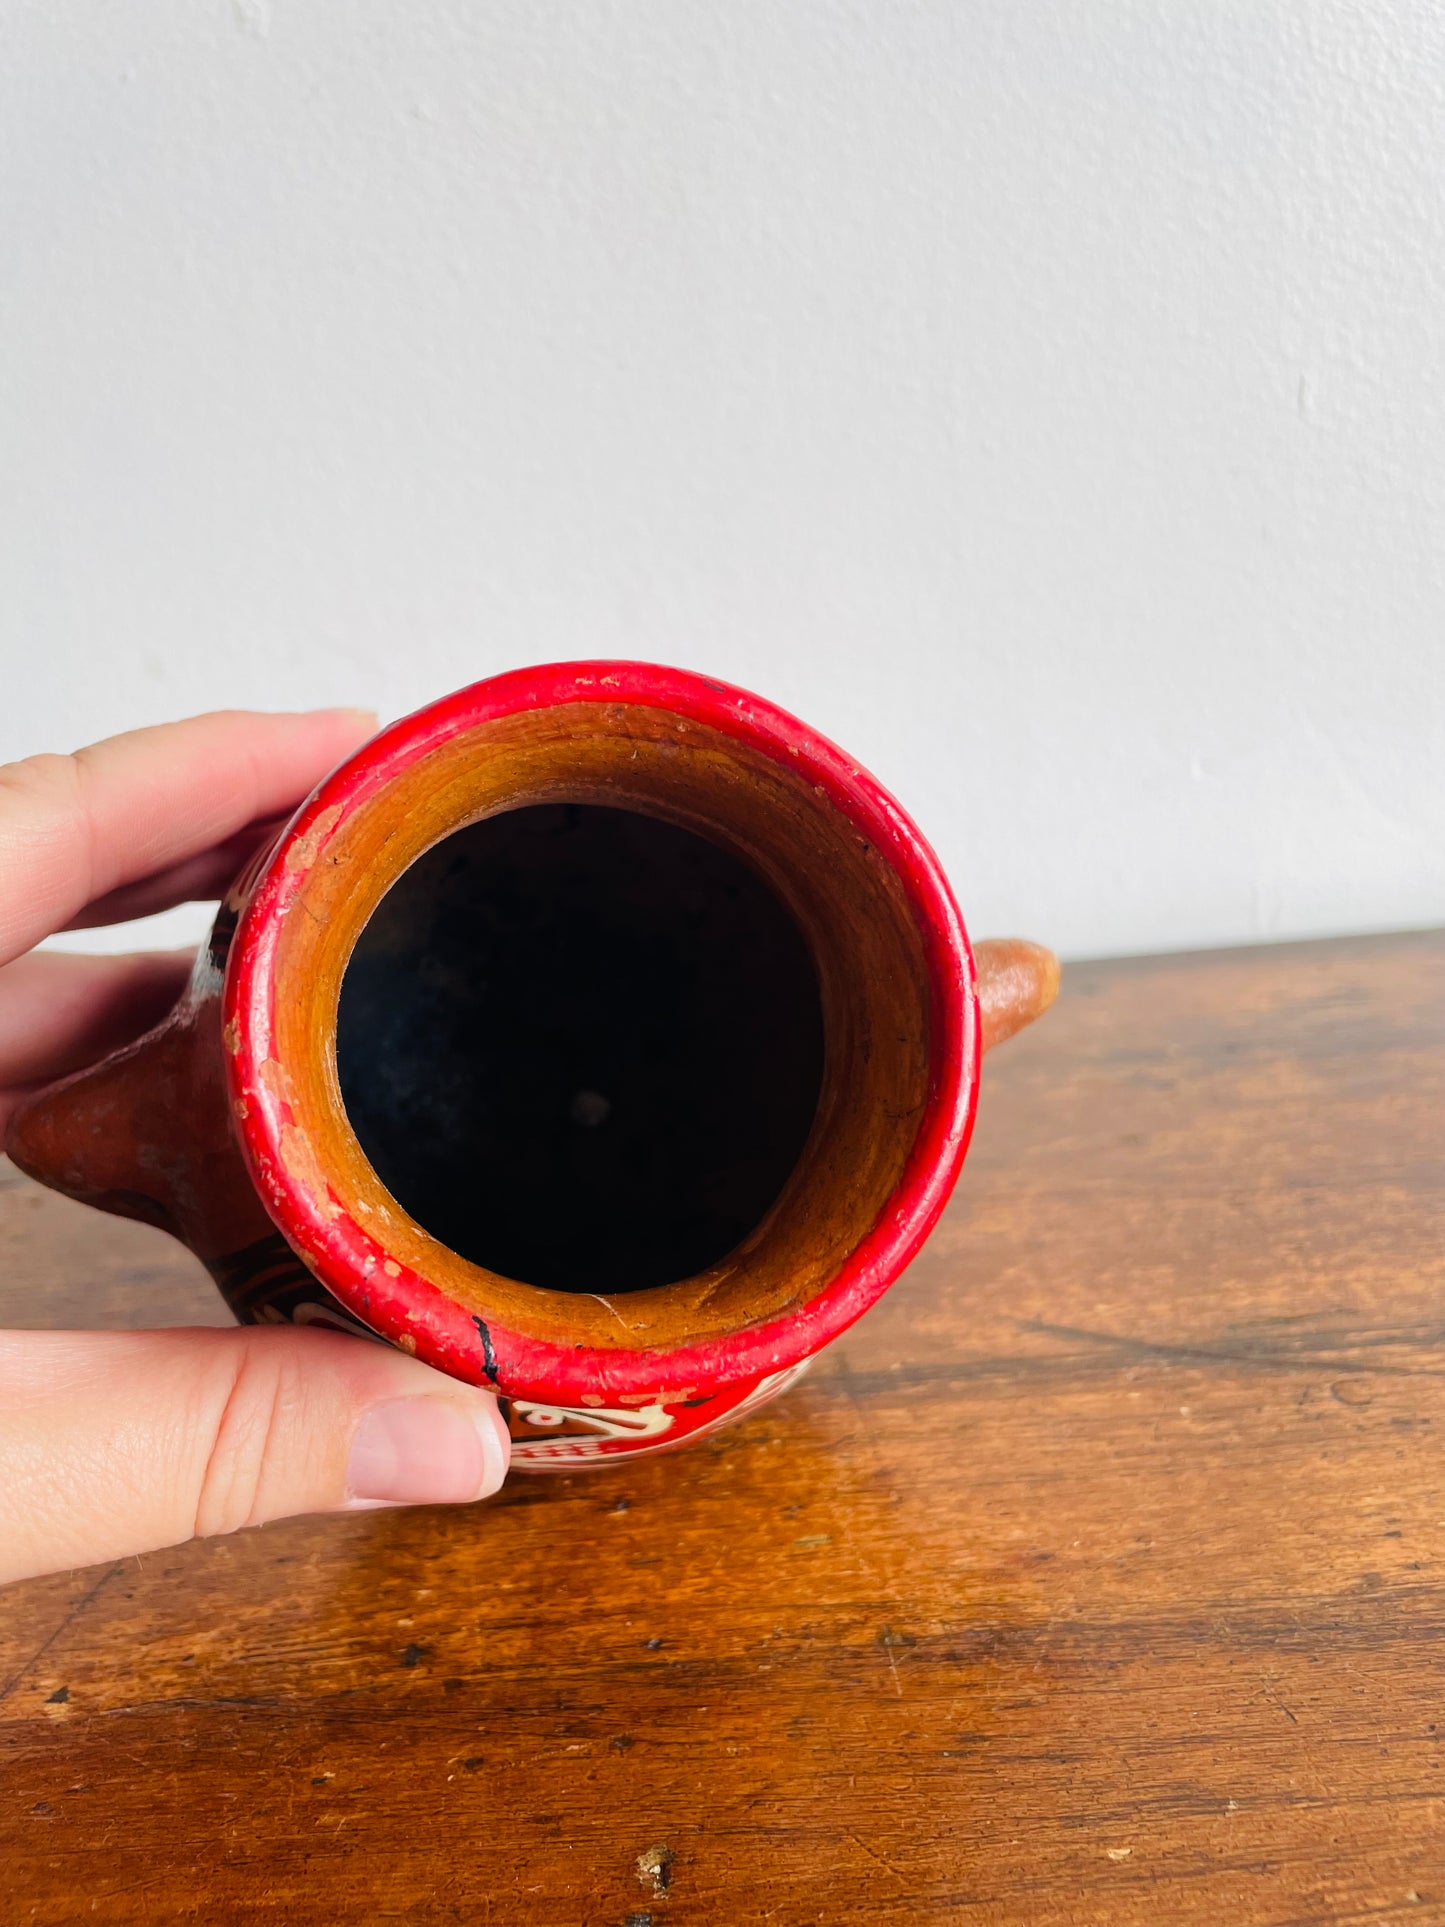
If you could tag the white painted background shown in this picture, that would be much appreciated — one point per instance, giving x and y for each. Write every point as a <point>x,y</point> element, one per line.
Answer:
<point>1047,400</point>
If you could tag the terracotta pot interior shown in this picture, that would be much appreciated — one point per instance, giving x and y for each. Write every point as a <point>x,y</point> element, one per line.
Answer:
<point>611,1027</point>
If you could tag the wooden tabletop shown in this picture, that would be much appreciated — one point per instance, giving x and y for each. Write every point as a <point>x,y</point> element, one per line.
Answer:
<point>1097,1576</point>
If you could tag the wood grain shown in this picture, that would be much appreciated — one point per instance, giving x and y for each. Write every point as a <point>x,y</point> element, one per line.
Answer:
<point>1095,1577</point>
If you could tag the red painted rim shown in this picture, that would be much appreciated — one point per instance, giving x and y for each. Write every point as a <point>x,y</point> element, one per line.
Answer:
<point>350,1261</point>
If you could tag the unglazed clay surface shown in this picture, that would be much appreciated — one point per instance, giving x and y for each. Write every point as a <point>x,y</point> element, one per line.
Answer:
<point>648,937</point>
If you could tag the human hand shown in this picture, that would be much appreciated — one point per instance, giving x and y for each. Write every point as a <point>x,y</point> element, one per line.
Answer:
<point>121,1442</point>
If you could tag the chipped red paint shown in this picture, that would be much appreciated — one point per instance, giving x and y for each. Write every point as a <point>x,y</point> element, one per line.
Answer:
<point>399,1304</point>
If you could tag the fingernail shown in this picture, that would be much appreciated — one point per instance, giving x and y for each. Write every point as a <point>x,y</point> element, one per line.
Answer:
<point>366,717</point>
<point>427,1451</point>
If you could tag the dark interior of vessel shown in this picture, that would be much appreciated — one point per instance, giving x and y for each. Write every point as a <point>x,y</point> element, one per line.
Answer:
<point>582,1047</point>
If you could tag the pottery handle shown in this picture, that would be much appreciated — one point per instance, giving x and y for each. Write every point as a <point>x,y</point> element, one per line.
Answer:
<point>1017,981</point>
<point>146,1133</point>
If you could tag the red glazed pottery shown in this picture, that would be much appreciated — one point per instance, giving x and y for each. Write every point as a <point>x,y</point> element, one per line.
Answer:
<point>599,1033</point>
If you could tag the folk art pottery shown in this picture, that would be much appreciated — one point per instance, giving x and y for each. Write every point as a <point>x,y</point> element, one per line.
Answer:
<point>599,1033</point>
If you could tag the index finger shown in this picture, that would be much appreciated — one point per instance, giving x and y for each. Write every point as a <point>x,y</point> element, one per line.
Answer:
<point>74,828</point>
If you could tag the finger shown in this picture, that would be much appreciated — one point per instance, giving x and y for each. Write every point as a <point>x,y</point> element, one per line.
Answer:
<point>195,879</point>
<point>75,828</point>
<point>59,1012</point>
<point>122,1442</point>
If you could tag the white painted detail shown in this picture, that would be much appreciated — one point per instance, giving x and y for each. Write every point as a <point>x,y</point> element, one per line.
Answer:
<point>541,1454</point>
<point>614,1423</point>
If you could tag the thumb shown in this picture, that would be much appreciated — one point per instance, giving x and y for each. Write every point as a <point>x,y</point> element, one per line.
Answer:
<point>120,1442</point>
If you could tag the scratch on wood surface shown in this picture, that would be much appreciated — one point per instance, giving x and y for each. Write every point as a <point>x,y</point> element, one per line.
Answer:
<point>1255,1357</point>
<point>80,1606</point>
<point>887,1865</point>
<point>1276,1702</point>
<point>1307,1755</point>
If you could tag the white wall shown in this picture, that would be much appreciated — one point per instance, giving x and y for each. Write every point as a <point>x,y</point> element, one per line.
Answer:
<point>1045,400</point>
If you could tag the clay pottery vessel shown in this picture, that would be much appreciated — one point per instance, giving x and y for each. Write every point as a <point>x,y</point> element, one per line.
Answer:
<point>599,1033</point>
